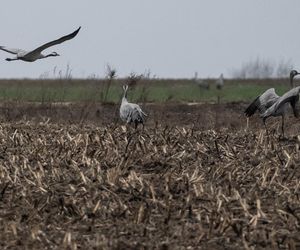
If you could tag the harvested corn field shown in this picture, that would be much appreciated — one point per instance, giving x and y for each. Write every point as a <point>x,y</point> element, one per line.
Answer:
<point>110,187</point>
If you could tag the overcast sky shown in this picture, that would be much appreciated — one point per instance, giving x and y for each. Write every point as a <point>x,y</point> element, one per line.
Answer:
<point>170,38</point>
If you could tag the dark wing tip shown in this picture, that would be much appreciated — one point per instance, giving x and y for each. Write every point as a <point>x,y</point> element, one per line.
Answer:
<point>76,31</point>
<point>247,113</point>
<point>252,108</point>
<point>72,35</point>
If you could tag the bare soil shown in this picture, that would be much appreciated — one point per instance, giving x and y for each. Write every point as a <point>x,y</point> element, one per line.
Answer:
<point>201,115</point>
<point>74,177</point>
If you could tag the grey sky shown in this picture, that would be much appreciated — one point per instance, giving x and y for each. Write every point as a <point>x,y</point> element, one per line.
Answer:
<point>171,38</point>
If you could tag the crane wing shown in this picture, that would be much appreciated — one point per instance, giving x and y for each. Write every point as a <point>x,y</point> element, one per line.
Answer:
<point>262,102</point>
<point>125,112</point>
<point>54,42</point>
<point>137,114</point>
<point>12,51</point>
<point>292,96</point>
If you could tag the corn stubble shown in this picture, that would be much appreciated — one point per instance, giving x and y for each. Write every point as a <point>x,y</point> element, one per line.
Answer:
<point>89,187</point>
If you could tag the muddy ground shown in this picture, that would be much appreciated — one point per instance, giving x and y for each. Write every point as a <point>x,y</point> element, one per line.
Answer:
<point>201,116</point>
<point>71,176</point>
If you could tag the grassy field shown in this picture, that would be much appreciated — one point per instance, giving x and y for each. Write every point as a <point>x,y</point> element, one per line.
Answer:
<point>167,90</point>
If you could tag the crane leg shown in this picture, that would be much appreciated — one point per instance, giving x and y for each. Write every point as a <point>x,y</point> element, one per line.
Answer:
<point>266,127</point>
<point>282,126</point>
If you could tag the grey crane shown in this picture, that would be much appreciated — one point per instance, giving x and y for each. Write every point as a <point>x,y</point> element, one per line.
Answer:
<point>220,82</point>
<point>131,112</point>
<point>31,56</point>
<point>280,106</point>
<point>270,104</point>
<point>201,83</point>
<point>262,103</point>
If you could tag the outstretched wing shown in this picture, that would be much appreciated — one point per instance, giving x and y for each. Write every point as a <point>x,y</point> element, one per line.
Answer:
<point>292,96</point>
<point>55,42</point>
<point>262,102</point>
<point>12,51</point>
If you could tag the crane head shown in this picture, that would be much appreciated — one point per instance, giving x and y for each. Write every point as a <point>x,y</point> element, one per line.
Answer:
<point>125,87</point>
<point>293,73</point>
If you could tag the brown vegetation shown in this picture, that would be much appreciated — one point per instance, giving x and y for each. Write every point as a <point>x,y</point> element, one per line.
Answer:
<point>192,178</point>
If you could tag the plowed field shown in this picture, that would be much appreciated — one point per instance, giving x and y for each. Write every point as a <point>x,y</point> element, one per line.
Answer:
<point>195,177</point>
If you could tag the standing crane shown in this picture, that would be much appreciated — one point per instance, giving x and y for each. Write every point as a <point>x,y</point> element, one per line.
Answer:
<point>201,83</point>
<point>220,82</point>
<point>270,104</point>
<point>131,112</point>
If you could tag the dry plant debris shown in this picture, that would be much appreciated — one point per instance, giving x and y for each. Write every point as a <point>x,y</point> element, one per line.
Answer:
<point>110,187</point>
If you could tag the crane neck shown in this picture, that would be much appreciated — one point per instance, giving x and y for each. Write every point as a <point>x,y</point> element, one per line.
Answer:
<point>292,82</point>
<point>124,99</point>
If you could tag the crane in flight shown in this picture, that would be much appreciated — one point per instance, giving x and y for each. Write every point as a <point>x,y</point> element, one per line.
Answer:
<point>33,55</point>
